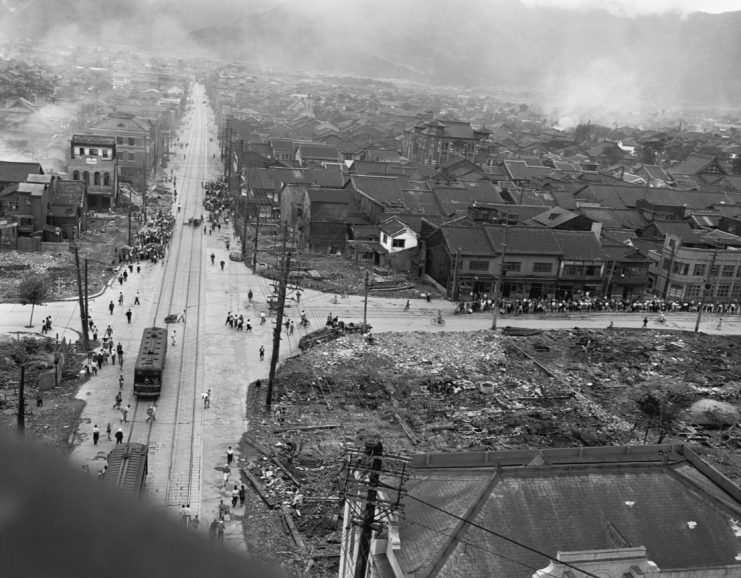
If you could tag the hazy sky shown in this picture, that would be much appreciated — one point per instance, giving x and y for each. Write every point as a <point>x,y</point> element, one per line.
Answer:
<point>637,7</point>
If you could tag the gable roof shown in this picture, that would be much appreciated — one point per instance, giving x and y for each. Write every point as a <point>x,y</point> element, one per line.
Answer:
<point>695,164</point>
<point>679,229</point>
<point>17,172</point>
<point>316,151</point>
<point>384,190</point>
<point>392,226</point>
<point>555,216</point>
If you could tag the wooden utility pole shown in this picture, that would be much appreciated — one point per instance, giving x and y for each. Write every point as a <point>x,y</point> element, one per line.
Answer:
<point>374,452</point>
<point>257,232</point>
<point>22,401</point>
<point>282,284</point>
<point>364,329</point>
<point>706,288</point>
<point>498,285</point>
<point>83,309</point>
<point>87,302</point>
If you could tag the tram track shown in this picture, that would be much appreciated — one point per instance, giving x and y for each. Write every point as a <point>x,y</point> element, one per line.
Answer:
<point>175,455</point>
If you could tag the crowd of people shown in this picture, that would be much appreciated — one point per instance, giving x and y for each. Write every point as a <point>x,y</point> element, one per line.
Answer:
<point>479,303</point>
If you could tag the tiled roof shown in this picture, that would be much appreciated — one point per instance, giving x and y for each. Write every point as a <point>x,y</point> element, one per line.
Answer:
<point>335,196</point>
<point>392,226</point>
<point>693,164</point>
<point>69,193</point>
<point>523,240</point>
<point>680,229</point>
<point>470,240</point>
<point>16,172</point>
<point>319,152</point>
<point>578,245</point>
<point>385,190</point>
<point>615,218</point>
<point>93,139</point>
<point>522,171</point>
<point>554,217</point>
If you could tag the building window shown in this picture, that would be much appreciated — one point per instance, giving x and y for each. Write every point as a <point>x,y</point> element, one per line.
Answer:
<point>93,152</point>
<point>699,270</point>
<point>723,290</point>
<point>681,268</point>
<point>82,151</point>
<point>105,153</point>
<point>714,270</point>
<point>727,271</point>
<point>106,179</point>
<point>96,178</point>
<point>132,156</point>
<point>86,177</point>
<point>736,291</point>
<point>384,238</point>
<point>511,266</point>
<point>366,256</point>
<point>398,243</point>
<point>131,142</point>
<point>542,267</point>
<point>76,176</point>
<point>119,140</point>
<point>693,290</point>
<point>478,265</point>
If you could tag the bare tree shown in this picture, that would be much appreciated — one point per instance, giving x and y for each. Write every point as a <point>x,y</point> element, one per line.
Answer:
<point>32,290</point>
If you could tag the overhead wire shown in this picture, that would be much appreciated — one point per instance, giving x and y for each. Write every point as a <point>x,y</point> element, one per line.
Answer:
<point>494,533</point>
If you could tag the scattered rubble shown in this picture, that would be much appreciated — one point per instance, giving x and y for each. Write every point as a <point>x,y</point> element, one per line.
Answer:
<point>439,392</point>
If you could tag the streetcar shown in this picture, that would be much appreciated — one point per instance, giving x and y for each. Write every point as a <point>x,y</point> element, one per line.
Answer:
<point>127,468</point>
<point>150,363</point>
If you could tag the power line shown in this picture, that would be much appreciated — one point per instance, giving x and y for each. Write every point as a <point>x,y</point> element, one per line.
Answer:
<point>497,534</point>
<point>467,543</point>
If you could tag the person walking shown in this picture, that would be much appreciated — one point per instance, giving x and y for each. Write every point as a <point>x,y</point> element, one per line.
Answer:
<point>128,315</point>
<point>645,322</point>
<point>249,296</point>
<point>125,414</point>
<point>212,529</point>
<point>205,396</point>
<point>151,410</point>
<point>242,495</point>
<point>136,299</point>
<point>406,307</point>
<point>120,382</point>
<point>174,337</point>
<point>111,307</point>
<point>222,510</point>
<point>227,473</point>
<point>119,436</point>
<point>222,263</point>
<point>108,431</point>
<point>119,399</point>
<point>195,522</point>
<point>262,353</point>
<point>220,530</point>
<point>120,298</point>
<point>229,457</point>
<point>235,496</point>
<point>96,434</point>
<point>213,257</point>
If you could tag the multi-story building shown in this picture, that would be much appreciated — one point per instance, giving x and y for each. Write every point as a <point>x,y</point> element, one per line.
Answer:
<point>135,150</point>
<point>437,141</point>
<point>93,160</point>
<point>698,271</point>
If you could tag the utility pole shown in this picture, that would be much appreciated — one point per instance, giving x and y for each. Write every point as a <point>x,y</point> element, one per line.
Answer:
<point>365,307</point>
<point>706,288</point>
<point>244,230</point>
<point>257,231</point>
<point>83,309</point>
<point>87,302</point>
<point>285,268</point>
<point>455,280</point>
<point>130,201</point>
<point>374,452</point>
<point>22,401</point>
<point>498,285</point>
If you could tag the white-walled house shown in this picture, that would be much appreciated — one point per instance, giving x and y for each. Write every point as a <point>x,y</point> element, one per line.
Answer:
<point>396,235</point>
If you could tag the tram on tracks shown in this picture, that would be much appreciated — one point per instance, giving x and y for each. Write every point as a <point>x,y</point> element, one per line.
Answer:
<point>150,363</point>
<point>127,468</point>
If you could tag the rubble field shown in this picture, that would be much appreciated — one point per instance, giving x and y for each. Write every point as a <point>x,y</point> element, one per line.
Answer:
<point>443,392</point>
